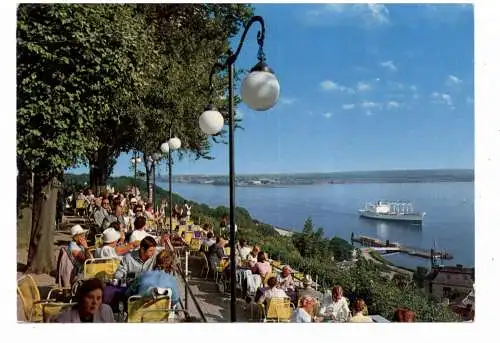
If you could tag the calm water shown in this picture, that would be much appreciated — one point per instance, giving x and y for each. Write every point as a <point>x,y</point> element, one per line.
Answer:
<point>449,207</point>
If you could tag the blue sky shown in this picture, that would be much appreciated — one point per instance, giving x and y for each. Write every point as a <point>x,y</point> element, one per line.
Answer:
<point>363,87</point>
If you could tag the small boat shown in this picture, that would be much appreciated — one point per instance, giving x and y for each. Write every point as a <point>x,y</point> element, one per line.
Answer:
<point>392,211</point>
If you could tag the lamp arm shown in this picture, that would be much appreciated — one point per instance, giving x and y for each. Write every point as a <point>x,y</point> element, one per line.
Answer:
<point>233,56</point>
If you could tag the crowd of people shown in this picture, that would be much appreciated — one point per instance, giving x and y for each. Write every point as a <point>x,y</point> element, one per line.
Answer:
<point>146,267</point>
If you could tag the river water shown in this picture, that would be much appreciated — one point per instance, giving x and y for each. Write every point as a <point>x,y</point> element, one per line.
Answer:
<point>448,224</point>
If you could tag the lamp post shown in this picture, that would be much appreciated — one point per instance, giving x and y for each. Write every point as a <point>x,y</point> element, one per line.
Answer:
<point>260,91</point>
<point>172,144</point>
<point>154,159</point>
<point>135,160</point>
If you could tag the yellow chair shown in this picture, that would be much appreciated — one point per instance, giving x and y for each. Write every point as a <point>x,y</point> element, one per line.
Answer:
<point>28,291</point>
<point>227,251</point>
<point>266,278</point>
<point>101,268</point>
<point>98,240</point>
<point>60,294</point>
<point>220,267</point>
<point>277,310</point>
<point>53,309</point>
<point>195,244</point>
<point>150,310</point>
<point>80,204</point>
<point>188,236</point>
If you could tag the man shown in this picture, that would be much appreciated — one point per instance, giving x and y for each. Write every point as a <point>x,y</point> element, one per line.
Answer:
<point>116,216</point>
<point>208,242</point>
<point>139,232</point>
<point>102,210</point>
<point>308,290</point>
<point>138,261</point>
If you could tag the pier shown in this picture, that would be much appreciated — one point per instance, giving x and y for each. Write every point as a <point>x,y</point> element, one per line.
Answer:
<point>396,247</point>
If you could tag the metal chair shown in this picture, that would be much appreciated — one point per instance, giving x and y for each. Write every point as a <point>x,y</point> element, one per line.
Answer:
<point>101,268</point>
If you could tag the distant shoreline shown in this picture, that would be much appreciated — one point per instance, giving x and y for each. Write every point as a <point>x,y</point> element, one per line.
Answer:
<point>285,185</point>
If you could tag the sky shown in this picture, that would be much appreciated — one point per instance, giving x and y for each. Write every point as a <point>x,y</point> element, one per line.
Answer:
<point>363,87</point>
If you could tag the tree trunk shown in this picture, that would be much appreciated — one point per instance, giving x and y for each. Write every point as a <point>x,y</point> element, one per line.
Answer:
<point>24,212</point>
<point>148,165</point>
<point>41,246</point>
<point>100,167</point>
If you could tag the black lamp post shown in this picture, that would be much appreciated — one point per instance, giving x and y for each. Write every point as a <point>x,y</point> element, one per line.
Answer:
<point>172,144</point>
<point>260,91</point>
<point>135,160</point>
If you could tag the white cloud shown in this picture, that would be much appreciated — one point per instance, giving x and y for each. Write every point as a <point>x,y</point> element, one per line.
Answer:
<point>363,86</point>
<point>452,80</point>
<point>469,100</point>
<point>370,105</point>
<point>389,65</point>
<point>327,115</point>
<point>393,105</point>
<point>348,106</point>
<point>288,101</point>
<point>364,15</point>
<point>369,113</point>
<point>328,85</point>
<point>442,98</point>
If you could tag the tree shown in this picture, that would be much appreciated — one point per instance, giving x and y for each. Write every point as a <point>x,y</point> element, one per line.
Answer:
<point>75,63</point>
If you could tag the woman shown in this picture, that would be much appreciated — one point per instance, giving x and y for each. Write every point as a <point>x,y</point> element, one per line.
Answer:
<point>404,315</point>
<point>262,267</point>
<point>272,291</point>
<point>252,257</point>
<point>304,314</point>
<point>338,308</point>
<point>111,237</point>
<point>89,307</point>
<point>358,317</point>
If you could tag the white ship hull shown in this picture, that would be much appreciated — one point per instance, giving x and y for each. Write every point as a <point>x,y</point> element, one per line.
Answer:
<point>409,218</point>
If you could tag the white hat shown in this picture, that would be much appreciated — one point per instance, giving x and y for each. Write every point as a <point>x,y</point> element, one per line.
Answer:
<point>133,200</point>
<point>110,235</point>
<point>77,230</point>
<point>307,280</point>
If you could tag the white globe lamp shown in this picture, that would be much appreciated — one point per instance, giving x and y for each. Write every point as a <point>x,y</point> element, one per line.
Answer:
<point>156,156</point>
<point>260,89</point>
<point>165,148</point>
<point>211,121</point>
<point>174,143</point>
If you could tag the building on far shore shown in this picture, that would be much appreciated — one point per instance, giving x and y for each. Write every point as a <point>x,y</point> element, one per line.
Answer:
<point>449,283</point>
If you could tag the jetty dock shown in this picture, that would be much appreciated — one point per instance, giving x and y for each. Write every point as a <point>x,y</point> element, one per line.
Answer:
<point>388,246</point>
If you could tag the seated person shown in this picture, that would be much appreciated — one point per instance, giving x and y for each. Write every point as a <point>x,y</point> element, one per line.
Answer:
<point>262,267</point>
<point>403,315</point>
<point>139,230</point>
<point>307,289</point>
<point>304,314</point>
<point>208,242</point>
<point>252,257</point>
<point>78,250</point>
<point>138,261</point>
<point>244,249</point>
<point>159,279</point>
<point>272,291</point>
<point>89,307</point>
<point>110,248</point>
<point>285,278</point>
<point>338,308</point>
<point>358,307</point>
<point>216,252</point>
